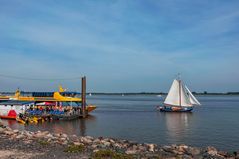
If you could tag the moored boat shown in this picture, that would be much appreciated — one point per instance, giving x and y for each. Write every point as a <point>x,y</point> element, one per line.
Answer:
<point>39,103</point>
<point>179,98</point>
<point>11,109</point>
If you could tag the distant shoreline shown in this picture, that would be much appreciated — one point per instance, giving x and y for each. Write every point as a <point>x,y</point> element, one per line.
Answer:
<point>164,94</point>
<point>139,93</point>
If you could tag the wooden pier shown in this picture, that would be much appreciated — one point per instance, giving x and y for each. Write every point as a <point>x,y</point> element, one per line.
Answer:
<point>83,97</point>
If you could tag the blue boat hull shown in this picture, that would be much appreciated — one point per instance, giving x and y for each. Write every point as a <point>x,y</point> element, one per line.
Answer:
<point>175,109</point>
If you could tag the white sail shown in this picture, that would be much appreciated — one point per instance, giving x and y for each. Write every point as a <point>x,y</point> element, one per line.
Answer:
<point>177,95</point>
<point>185,100</point>
<point>193,99</point>
<point>173,94</point>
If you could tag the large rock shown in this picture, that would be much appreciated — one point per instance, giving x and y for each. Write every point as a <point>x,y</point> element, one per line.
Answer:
<point>111,141</point>
<point>8,128</point>
<point>15,131</point>
<point>40,134</point>
<point>97,141</point>
<point>7,132</point>
<point>27,141</point>
<point>49,140</point>
<point>86,140</point>
<point>237,154</point>
<point>223,153</point>
<point>62,139</point>
<point>151,147</point>
<point>77,143</point>
<point>117,145</point>
<point>131,151</point>
<point>20,136</point>
<point>142,148</point>
<point>170,149</point>
<point>13,136</point>
<point>193,151</point>
<point>96,150</point>
<point>106,143</point>
<point>56,135</point>
<point>28,135</point>
<point>2,130</point>
<point>185,157</point>
<point>64,135</point>
<point>89,137</point>
<point>211,150</point>
<point>74,138</point>
<point>182,148</point>
<point>50,136</point>
<point>94,146</point>
<point>125,145</point>
<point>64,143</point>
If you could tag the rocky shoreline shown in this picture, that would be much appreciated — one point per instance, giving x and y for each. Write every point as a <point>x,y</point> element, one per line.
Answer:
<point>42,144</point>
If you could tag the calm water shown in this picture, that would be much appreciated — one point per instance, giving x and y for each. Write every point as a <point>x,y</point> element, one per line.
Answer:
<point>214,123</point>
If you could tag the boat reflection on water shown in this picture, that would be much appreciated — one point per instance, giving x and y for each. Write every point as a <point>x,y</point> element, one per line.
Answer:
<point>13,124</point>
<point>178,126</point>
<point>77,127</point>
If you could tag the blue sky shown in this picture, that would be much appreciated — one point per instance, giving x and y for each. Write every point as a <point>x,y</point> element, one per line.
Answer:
<point>120,45</point>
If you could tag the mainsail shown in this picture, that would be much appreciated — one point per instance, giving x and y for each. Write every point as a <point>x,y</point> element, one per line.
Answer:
<point>192,99</point>
<point>177,95</point>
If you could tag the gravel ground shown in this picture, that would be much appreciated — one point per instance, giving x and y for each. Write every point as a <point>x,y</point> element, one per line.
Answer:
<point>18,149</point>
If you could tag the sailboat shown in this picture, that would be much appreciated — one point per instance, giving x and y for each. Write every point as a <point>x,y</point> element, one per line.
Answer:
<point>179,98</point>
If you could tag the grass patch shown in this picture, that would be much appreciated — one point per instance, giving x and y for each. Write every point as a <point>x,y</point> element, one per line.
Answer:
<point>108,154</point>
<point>42,142</point>
<point>75,148</point>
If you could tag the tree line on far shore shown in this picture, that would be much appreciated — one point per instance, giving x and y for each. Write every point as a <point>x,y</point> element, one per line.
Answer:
<point>130,93</point>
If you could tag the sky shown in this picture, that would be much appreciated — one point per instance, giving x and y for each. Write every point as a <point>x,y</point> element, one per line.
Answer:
<point>119,45</point>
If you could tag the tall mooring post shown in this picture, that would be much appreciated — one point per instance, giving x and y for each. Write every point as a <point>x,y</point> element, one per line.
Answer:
<point>83,96</point>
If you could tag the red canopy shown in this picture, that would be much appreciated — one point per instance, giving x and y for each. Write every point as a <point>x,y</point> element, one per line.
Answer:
<point>12,113</point>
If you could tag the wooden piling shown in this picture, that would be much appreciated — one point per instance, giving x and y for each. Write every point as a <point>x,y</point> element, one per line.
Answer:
<point>83,96</point>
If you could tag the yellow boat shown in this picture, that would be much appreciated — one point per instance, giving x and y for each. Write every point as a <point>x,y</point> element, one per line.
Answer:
<point>34,119</point>
<point>56,99</point>
<point>29,120</point>
<point>59,97</point>
<point>90,108</point>
<point>20,120</point>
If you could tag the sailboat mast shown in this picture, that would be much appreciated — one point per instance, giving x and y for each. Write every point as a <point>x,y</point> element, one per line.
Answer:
<point>179,82</point>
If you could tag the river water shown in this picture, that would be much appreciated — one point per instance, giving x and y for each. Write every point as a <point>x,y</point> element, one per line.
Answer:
<point>215,123</point>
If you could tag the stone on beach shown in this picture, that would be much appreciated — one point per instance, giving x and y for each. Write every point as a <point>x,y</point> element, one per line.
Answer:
<point>193,151</point>
<point>49,136</point>
<point>151,147</point>
<point>40,134</point>
<point>9,132</point>
<point>106,143</point>
<point>2,130</point>
<point>211,150</point>
<point>39,140</point>
<point>97,141</point>
<point>15,131</point>
<point>64,135</point>
<point>20,136</point>
<point>86,140</point>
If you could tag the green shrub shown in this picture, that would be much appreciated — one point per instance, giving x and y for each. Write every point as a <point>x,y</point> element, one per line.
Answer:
<point>75,148</point>
<point>109,154</point>
<point>43,142</point>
